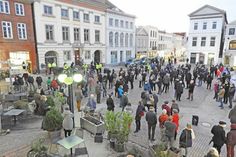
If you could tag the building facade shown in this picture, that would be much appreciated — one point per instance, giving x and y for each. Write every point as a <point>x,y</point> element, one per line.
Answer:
<point>230,44</point>
<point>70,31</point>
<point>17,42</point>
<point>120,35</point>
<point>141,46</point>
<point>206,35</point>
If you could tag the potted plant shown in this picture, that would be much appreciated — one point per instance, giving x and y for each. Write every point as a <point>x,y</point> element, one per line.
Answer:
<point>38,149</point>
<point>159,150</point>
<point>52,122</point>
<point>50,101</point>
<point>123,123</point>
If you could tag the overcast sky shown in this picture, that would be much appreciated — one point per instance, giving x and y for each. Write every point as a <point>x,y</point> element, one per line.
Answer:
<point>171,15</point>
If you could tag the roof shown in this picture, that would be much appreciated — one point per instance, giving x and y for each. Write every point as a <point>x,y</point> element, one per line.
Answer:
<point>141,29</point>
<point>207,6</point>
<point>233,22</point>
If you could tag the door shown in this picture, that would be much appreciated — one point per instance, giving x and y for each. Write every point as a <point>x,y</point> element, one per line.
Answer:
<point>201,58</point>
<point>77,57</point>
<point>97,56</point>
<point>193,58</point>
<point>121,56</point>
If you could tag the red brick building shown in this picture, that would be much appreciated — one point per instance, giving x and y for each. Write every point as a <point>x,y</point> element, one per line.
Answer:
<point>17,41</point>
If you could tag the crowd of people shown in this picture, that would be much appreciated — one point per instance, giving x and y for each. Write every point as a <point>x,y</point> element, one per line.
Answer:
<point>155,79</point>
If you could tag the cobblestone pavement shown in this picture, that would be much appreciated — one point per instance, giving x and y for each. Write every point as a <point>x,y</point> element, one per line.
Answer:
<point>203,105</point>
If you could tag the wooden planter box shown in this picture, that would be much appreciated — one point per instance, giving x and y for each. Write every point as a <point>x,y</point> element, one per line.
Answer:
<point>92,125</point>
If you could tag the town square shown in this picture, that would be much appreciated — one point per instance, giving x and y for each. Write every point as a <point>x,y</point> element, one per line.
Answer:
<point>99,78</point>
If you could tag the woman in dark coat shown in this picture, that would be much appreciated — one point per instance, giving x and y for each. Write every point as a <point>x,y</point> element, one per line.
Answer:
<point>139,113</point>
<point>185,140</point>
<point>110,103</point>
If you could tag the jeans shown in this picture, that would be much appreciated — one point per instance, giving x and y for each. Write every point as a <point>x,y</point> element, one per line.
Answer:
<point>221,102</point>
<point>199,83</point>
<point>138,125</point>
<point>169,141</point>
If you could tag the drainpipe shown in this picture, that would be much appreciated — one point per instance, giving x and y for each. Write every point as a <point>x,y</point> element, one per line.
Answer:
<point>35,38</point>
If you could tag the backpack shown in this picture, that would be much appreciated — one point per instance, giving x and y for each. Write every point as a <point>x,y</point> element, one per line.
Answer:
<point>31,79</point>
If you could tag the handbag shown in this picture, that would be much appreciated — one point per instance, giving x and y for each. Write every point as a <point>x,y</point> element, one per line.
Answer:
<point>141,113</point>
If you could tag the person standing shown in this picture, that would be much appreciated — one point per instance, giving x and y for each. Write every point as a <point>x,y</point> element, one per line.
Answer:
<point>162,119</point>
<point>151,121</point>
<point>79,97</point>
<point>91,104</point>
<point>124,101</point>
<point>67,121</point>
<point>209,81</point>
<point>191,89</point>
<point>170,129</point>
<point>155,97</point>
<point>139,113</point>
<point>232,115</point>
<point>110,103</point>
<point>231,140</point>
<point>221,96</point>
<point>175,106</point>
<point>175,119</point>
<point>186,137</point>
<point>98,92</point>
<point>218,138</point>
<point>231,95</point>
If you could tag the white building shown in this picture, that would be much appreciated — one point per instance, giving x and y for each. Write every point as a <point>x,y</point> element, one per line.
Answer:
<point>230,44</point>
<point>149,37</point>
<point>120,35</point>
<point>70,32</point>
<point>165,45</point>
<point>141,46</point>
<point>205,38</point>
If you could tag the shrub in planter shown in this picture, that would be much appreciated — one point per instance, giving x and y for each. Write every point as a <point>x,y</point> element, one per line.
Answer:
<point>53,120</point>
<point>110,123</point>
<point>50,101</point>
<point>38,148</point>
<point>159,150</point>
<point>21,104</point>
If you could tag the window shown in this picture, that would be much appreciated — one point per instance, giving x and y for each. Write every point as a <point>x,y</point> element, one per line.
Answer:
<point>4,7</point>
<point>111,39</point>
<point>64,13</point>
<point>151,34</point>
<point>194,41</point>
<point>67,55</point>
<point>49,32</point>
<point>126,24</point>
<point>131,40</point>
<point>122,39</point>
<point>21,28</point>
<point>86,35</point>
<point>203,41</point>
<point>214,25</point>
<point>75,15</point>
<point>97,36</point>
<point>195,26</point>
<point>87,55</point>
<point>116,39</point>
<point>126,39</point>
<point>97,19</point>
<point>19,9</point>
<point>65,33</point>
<point>131,25</point>
<point>7,30</point>
<point>110,22</point>
<point>47,10</point>
<point>86,17</point>
<point>114,57</point>
<point>213,40</point>
<point>232,45</point>
<point>122,24</point>
<point>76,34</point>
<point>117,23</point>
<point>231,31</point>
<point>128,55</point>
<point>204,26</point>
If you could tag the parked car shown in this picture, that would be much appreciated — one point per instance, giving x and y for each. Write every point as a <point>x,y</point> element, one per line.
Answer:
<point>129,62</point>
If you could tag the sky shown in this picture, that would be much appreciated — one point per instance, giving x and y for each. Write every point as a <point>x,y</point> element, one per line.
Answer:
<point>171,15</point>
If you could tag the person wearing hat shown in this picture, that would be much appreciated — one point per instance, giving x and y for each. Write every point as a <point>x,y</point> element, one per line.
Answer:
<point>175,119</point>
<point>174,105</point>
<point>162,119</point>
<point>67,121</point>
<point>110,103</point>
<point>231,94</point>
<point>151,121</point>
<point>170,129</point>
<point>221,96</point>
<point>218,138</point>
<point>186,139</point>
<point>231,140</point>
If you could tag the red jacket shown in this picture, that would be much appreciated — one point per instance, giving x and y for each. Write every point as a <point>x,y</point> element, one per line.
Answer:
<point>175,119</point>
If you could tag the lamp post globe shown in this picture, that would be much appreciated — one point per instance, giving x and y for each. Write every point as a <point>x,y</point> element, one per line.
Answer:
<point>77,78</point>
<point>62,77</point>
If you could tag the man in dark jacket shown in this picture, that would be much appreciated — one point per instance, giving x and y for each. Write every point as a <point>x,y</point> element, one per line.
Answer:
<point>124,101</point>
<point>231,141</point>
<point>155,97</point>
<point>218,138</point>
<point>170,128</point>
<point>191,89</point>
<point>139,113</point>
<point>110,103</point>
<point>231,95</point>
<point>152,121</point>
<point>232,115</point>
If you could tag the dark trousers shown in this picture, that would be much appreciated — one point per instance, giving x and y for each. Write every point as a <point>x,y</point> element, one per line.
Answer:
<point>99,98</point>
<point>178,96</point>
<point>132,84</point>
<point>190,95</point>
<point>226,98</point>
<point>217,147</point>
<point>138,125</point>
<point>231,101</point>
<point>67,132</point>
<point>140,84</point>
<point>208,85</point>
<point>230,150</point>
<point>151,131</point>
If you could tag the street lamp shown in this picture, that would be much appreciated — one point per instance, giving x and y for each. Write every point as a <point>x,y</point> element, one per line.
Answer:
<point>68,77</point>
